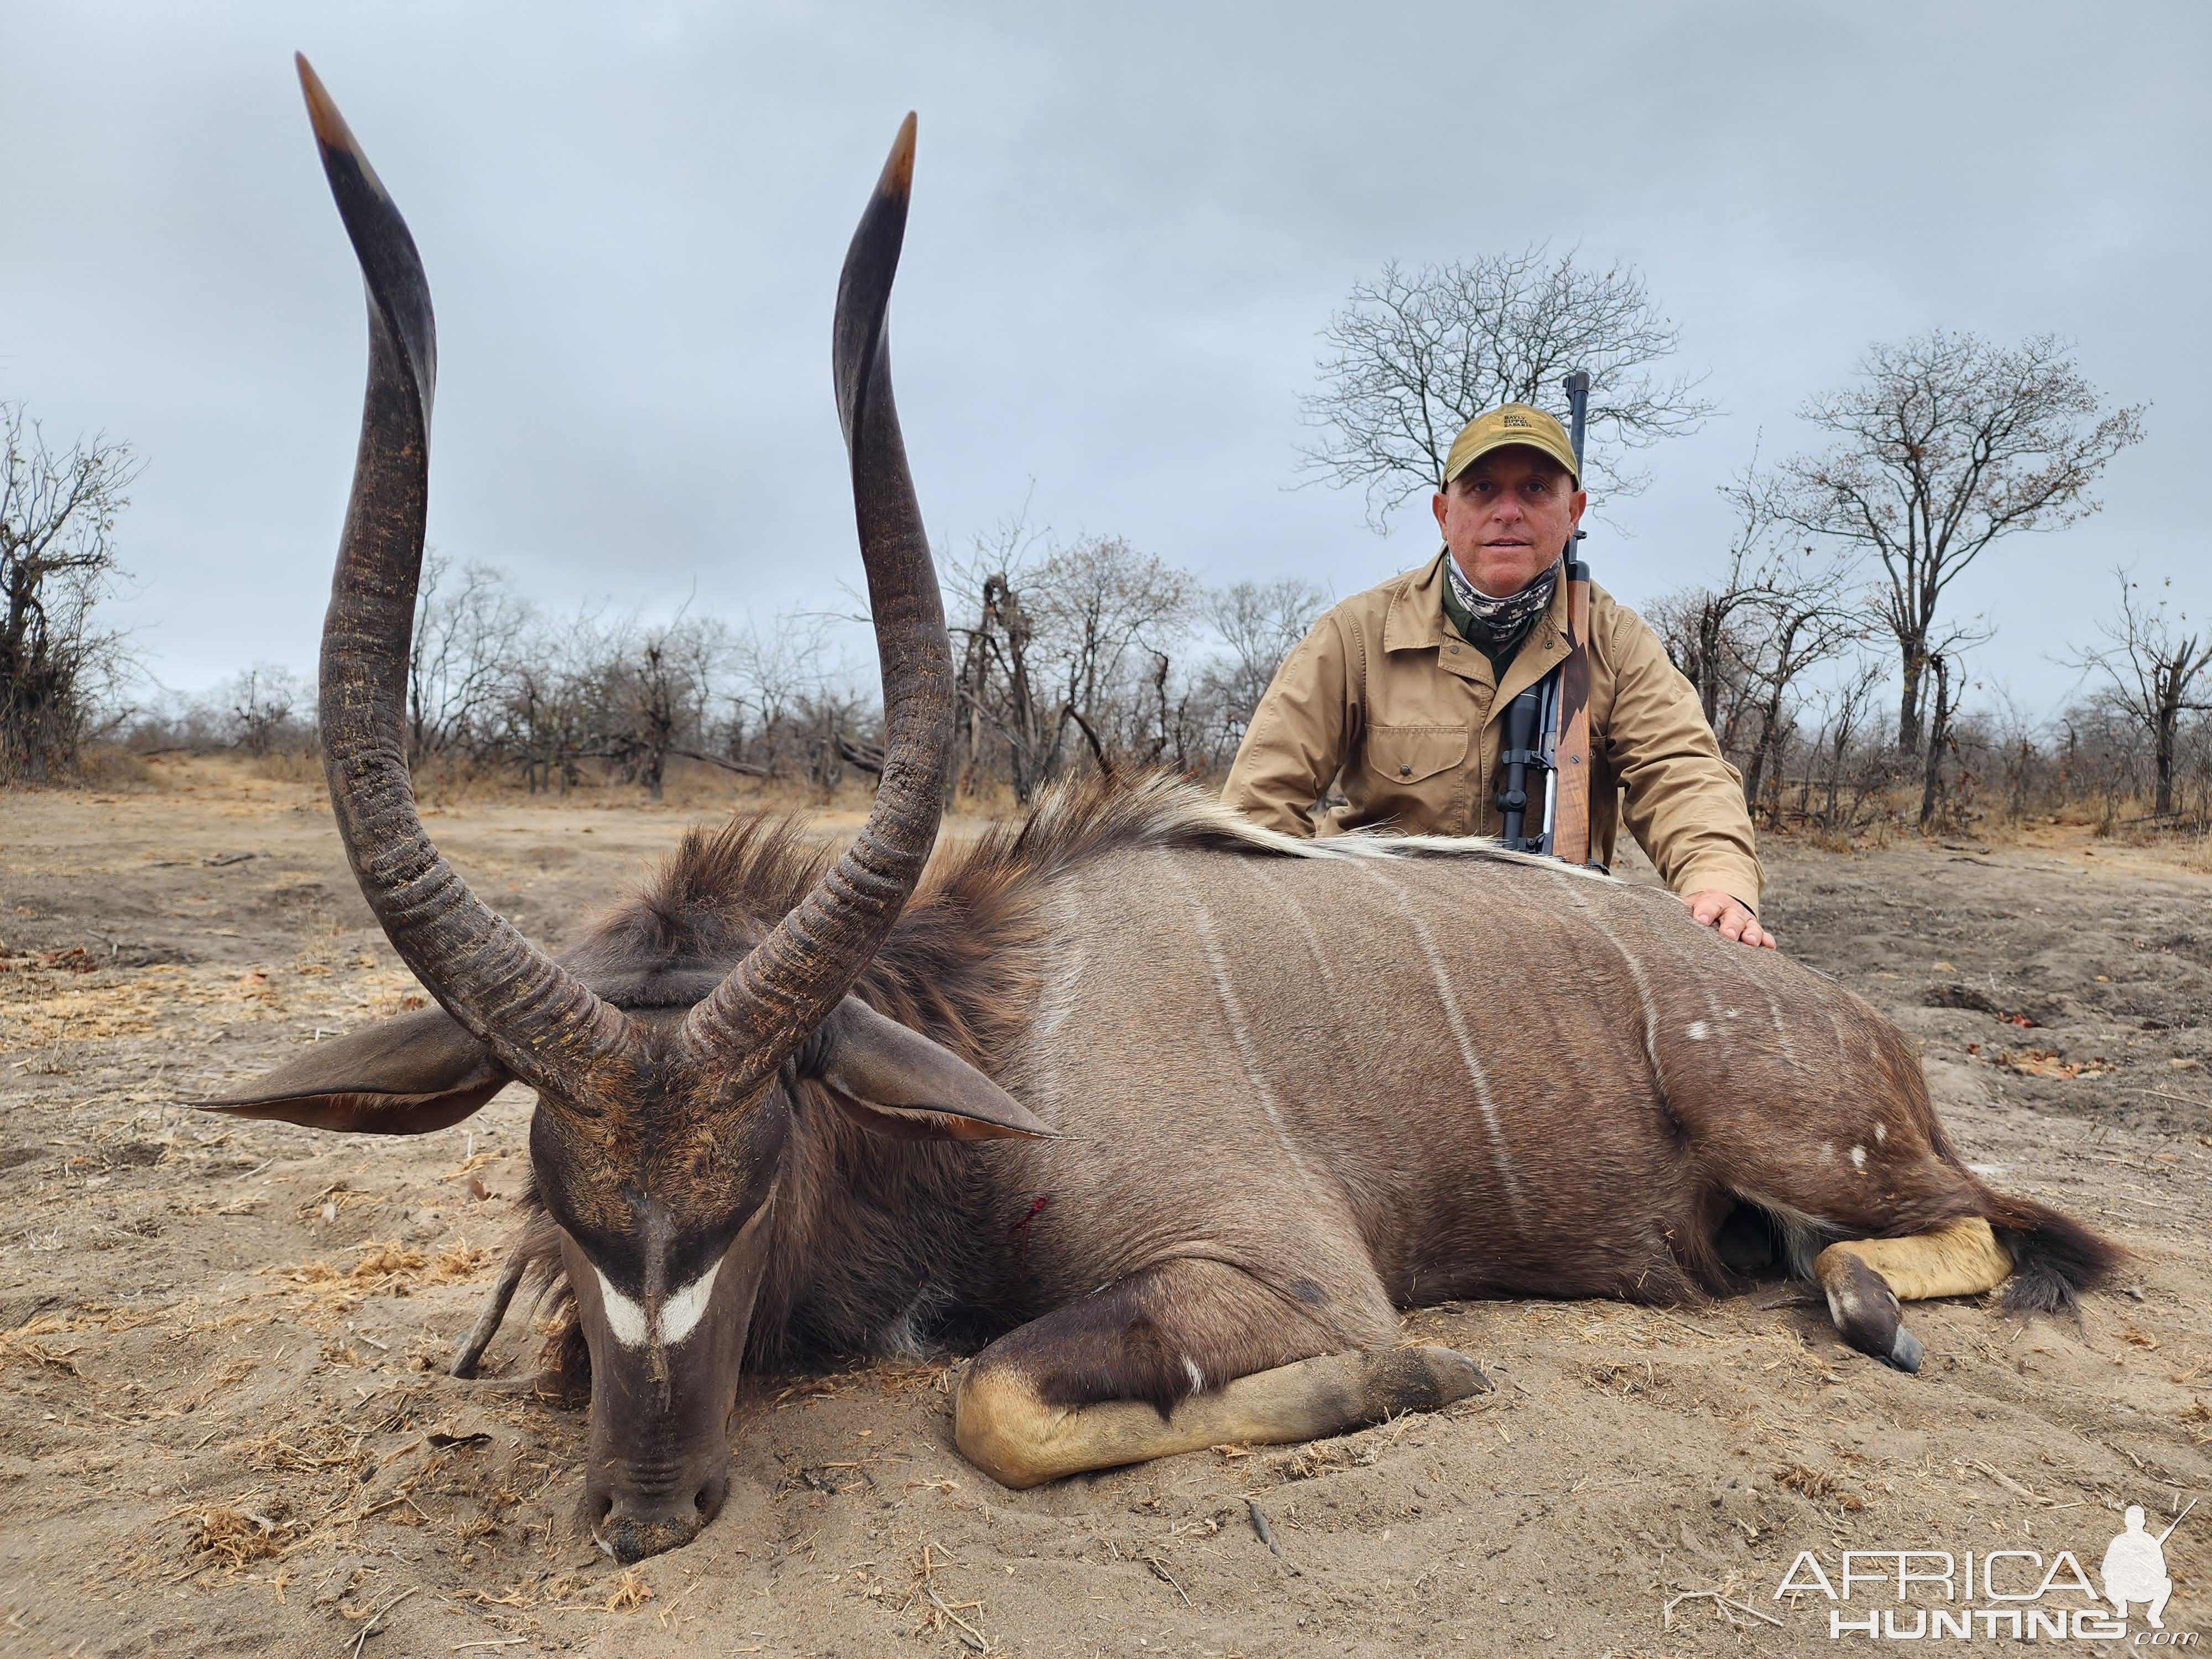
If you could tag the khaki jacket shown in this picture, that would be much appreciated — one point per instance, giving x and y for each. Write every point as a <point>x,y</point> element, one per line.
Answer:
<point>1385,707</point>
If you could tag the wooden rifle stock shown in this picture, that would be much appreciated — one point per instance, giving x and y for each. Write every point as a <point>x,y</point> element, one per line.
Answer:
<point>1570,812</point>
<point>1570,756</point>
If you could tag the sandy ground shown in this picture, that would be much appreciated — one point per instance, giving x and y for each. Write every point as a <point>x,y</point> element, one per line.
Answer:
<point>224,1426</point>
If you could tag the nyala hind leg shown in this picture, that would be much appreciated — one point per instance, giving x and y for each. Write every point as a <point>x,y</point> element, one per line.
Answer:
<point>1865,1279</point>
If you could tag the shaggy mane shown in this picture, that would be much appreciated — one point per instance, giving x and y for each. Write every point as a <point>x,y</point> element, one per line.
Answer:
<point>960,957</point>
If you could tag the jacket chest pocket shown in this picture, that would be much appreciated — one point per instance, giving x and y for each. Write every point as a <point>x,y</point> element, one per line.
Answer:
<point>1404,754</point>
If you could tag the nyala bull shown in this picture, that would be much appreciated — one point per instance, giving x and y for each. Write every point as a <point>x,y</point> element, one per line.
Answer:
<point>1164,1115</point>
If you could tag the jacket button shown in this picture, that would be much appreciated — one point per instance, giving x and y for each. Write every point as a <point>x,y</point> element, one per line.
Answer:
<point>1404,771</point>
<point>1455,651</point>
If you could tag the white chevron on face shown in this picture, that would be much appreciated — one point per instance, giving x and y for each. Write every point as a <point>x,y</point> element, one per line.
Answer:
<point>680,1310</point>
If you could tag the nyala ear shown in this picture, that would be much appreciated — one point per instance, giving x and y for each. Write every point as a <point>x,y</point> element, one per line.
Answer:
<point>897,1082</point>
<point>400,1077</point>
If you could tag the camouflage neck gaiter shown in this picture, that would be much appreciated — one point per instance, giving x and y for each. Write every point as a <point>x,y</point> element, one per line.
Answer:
<point>1494,624</point>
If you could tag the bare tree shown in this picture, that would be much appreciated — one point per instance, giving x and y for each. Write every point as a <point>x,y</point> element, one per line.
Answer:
<point>999,710</point>
<point>1415,355</point>
<point>2155,670</point>
<point>471,630</point>
<point>1939,738</point>
<point>1747,642</point>
<point>270,710</point>
<point>1805,618</point>
<point>772,674</point>
<point>1838,752</point>
<point>57,560</point>
<point>1701,627</point>
<point>1260,623</point>
<point>1945,444</point>
<point>550,715</point>
<point>1103,612</point>
<point>658,682</point>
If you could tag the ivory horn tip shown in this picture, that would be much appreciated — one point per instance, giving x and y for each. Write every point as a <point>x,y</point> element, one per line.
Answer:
<point>331,130</point>
<point>898,168</point>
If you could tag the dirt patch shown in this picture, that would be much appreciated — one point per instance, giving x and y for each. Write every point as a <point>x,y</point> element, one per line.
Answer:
<point>227,1428</point>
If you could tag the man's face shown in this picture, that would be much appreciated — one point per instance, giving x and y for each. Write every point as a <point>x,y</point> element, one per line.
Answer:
<point>1507,517</point>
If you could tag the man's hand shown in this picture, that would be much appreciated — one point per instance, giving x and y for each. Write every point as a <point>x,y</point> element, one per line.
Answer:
<point>1714,909</point>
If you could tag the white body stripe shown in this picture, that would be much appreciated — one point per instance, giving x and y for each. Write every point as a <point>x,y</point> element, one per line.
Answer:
<point>1457,1023</point>
<point>1635,973</point>
<point>1240,1031</point>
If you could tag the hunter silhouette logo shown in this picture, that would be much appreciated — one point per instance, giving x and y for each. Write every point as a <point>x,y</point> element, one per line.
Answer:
<point>2014,1593</point>
<point>2134,1568</point>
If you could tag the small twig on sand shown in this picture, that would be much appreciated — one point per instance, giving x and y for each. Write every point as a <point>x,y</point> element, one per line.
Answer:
<point>1267,1534</point>
<point>974,1637</point>
<point>2011,1485</point>
<point>376,1619</point>
<point>1666,1313</point>
<point>1721,1602</point>
<point>2167,1094</point>
<point>1166,1578</point>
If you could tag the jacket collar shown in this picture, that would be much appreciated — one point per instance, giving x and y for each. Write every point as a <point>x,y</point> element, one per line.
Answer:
<point>1414,621</point>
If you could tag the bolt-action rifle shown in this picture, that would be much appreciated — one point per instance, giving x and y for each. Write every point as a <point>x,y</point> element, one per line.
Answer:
<point>1547,725</point>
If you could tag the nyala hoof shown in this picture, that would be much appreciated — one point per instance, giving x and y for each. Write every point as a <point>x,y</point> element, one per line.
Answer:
<point>1424,1379</point>
<point>1904,1352</point>
<point>1865,1311</point>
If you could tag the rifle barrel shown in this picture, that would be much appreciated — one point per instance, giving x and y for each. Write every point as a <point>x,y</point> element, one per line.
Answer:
<point>2177,1520</point>
<point>1576,386</point>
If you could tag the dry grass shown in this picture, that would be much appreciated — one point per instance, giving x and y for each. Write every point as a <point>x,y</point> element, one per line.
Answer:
<point>27,1345</point>
<point>239,1532</point>
<point>688,787</point>
<point>73,996</point>
<point>1818,1484</point>
<point>631,1592</point>
<point>106,766</point>
<point>386,1263</point>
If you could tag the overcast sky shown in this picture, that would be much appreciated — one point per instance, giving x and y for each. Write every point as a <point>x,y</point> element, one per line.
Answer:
<point>1129,222</point>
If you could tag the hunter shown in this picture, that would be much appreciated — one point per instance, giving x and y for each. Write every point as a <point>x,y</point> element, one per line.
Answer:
<point>1390,714</point>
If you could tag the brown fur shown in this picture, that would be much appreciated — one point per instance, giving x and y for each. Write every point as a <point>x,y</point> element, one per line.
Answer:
<point>885,1244</point>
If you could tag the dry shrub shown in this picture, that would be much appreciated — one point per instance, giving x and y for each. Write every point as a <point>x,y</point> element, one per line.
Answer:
<point>377,1259</point>
<point>384,1264</point>
<point>43,1002</point>
<point>1818,1484</point>
<point>2043,1062</point>
<point>288,766</point>
<point>235,1534</point>
<point>456,1263</point>
<point>1326,1457</point>
<point>107,766</point>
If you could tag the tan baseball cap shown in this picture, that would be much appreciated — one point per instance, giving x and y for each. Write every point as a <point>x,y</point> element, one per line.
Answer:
<point>1509,424</point>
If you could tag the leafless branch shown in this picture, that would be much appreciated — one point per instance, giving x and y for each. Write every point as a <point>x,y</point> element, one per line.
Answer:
<point>1414,355</point>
